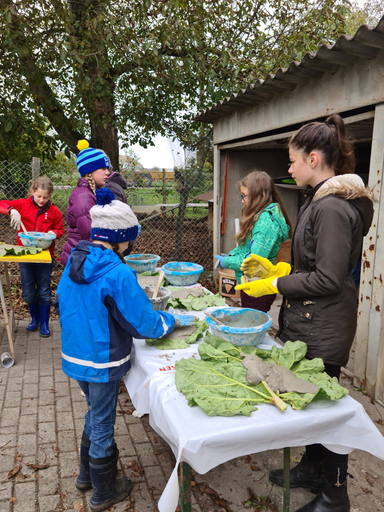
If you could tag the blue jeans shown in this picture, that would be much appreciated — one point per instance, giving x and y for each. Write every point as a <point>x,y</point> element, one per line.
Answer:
<point>99,421</point>
<point>36,283</point>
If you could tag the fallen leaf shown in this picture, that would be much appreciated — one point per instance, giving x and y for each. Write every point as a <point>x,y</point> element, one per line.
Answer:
<point>255,468</point>
<point>380,422</point>
<point>78,505</point>
<point>36,467</point>
<point>136,468</point>
<point>14,471</point>
<point>13,500</point>
<point>367,491</point>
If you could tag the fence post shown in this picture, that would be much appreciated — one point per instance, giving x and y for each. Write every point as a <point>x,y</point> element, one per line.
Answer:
<point>35,168</point>
<point>164,185</point>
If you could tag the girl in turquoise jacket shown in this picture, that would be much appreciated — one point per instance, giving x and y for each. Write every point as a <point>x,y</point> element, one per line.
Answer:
<point>264,226</point>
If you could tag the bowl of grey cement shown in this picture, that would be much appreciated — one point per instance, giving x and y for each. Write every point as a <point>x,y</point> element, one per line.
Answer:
<point>242,326</point>
<point>161,301</point>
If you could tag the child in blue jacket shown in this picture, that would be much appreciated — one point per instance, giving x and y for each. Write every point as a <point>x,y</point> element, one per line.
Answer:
<point>102,307</point>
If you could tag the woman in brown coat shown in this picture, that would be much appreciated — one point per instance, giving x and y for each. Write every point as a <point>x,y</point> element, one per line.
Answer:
<point>319,295</point>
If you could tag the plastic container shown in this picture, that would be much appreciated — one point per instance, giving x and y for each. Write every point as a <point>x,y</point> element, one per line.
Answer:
<point>182,273</point>
<point>142,262</point>
<point>37,239</point>
<point>257,324</point>
<point>161,301</point>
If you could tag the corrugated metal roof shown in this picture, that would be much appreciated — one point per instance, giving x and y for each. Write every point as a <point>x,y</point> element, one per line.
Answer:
<point>366,44</point>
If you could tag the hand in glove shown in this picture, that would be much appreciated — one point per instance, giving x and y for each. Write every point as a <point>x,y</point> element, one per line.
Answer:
<point>221,260</point>
<point>50,232</point>
<point>185,320</point>
<point>15,218</point>
<point>256,266</point>
<point>259,288</point>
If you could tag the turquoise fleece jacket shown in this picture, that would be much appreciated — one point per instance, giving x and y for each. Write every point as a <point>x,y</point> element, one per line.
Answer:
<point>268,233</point>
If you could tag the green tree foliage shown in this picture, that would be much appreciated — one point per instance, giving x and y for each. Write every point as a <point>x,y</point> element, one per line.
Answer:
<point>369,14</point>
<point>125,70</point>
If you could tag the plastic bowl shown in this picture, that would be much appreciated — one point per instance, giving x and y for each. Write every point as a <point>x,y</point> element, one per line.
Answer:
<point>257,323</point>
<point>161,301</point>
<point>142,262</point>
<point>182,273</point>
<point>37,239</point>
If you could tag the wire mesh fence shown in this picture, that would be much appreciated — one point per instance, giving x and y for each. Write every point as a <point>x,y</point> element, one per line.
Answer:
<point>174,208</point>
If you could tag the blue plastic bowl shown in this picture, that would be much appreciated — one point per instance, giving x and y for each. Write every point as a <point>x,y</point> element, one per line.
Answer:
<point>236,319</point>
<point>142,262</point>
<point>182,273</point>
<point>37,239</point>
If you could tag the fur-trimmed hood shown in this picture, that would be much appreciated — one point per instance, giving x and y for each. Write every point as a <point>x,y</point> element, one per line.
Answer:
<point>350,187</point>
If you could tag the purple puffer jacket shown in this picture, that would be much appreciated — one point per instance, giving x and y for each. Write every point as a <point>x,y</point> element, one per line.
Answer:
<point>80,202</point>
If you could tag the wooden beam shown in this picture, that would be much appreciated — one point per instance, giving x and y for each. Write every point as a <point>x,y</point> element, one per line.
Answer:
<point>371,295</point>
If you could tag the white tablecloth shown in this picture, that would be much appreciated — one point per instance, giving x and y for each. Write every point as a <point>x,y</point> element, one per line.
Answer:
<point>205,442</point>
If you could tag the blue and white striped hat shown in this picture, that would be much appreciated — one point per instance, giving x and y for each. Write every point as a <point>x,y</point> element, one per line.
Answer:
<point>90,159</point>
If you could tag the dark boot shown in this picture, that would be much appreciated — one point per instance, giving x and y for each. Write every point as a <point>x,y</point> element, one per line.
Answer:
<point>35,320</point>
<point>332,498</point>
<point>107,490</point>
<point>307,474</point>
<point>44,319</point>
<point>83,481</point>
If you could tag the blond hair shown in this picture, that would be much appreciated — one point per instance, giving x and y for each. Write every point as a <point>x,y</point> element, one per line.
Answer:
<point>42,182</point>
<point>91,181</point>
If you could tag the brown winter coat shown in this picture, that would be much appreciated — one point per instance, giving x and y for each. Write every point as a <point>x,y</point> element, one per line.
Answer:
<point>319,304</point>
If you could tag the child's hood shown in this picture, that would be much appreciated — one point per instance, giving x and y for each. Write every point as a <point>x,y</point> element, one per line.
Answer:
<point>116,177</point>
<point>89,262</point>
<point>277,216</point>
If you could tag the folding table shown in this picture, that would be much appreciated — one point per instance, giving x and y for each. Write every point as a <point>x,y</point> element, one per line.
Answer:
<point>10,326</point>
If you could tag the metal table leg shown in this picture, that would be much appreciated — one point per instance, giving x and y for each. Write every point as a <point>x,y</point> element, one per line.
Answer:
<point>286,485</point>
<point>185,487</point>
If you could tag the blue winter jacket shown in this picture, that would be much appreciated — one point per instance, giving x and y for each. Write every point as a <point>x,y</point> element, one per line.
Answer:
<point>102,307</point>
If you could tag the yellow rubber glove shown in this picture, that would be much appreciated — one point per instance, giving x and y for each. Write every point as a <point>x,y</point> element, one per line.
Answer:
<point>259,288</point>
<point>257,266</point>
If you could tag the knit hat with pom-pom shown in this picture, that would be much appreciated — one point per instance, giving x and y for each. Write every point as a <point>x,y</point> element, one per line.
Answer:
<point>90,159</point>
<point>112,221</point>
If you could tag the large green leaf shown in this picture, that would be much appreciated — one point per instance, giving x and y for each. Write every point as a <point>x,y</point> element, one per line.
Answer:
<point>197,303</point>
<point>219,389</point>
<point>217,382</point>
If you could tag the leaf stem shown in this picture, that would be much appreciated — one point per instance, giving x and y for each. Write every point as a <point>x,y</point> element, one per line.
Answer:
<point>238,383</point>
<point>276,400</point>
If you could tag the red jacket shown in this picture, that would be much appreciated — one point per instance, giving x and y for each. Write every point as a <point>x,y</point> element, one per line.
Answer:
<point>47,218</point>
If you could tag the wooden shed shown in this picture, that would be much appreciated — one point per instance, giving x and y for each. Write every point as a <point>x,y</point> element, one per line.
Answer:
<point>251,129</point>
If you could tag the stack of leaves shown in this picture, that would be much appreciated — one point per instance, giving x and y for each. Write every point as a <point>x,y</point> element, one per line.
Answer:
<point>173,343</point>
<point>17,250</point>
<point>217,383</point>
<point>191,302</point>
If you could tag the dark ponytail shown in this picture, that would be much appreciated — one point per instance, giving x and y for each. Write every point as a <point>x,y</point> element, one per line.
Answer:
<point>115,249</point>
<point>331,139</point>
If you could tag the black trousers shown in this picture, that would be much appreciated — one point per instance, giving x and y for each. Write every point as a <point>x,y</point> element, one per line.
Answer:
<point>335,465</point>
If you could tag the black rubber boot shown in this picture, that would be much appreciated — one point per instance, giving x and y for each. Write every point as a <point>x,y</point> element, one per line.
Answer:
<point>307,474</point>
<point>332,498</point>
<point>107,490</point>
<point>35,317</point>
<point>83,481</point>
<point>44,319</point>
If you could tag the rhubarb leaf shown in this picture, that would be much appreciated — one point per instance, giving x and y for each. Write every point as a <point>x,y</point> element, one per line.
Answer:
<point>219,389</point>
<point>217,382</point>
